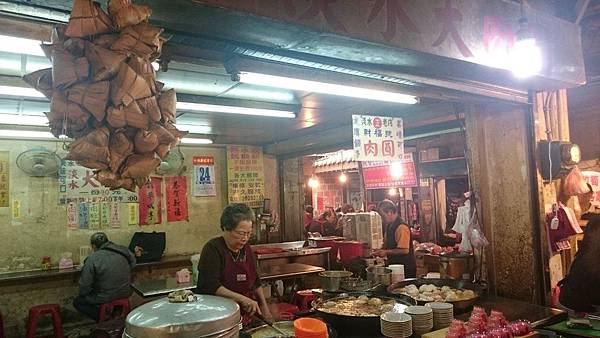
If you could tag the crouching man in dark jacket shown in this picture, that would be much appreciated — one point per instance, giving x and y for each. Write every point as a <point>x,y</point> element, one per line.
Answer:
<point>105,276</point>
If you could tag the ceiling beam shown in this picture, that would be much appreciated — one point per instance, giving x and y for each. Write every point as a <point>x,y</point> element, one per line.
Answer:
<point>580,8</point>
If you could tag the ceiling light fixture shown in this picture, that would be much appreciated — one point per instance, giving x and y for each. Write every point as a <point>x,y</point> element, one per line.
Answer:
<point>213,108</point>
<point>16,45</point>
<point>25,120</point>
<point>396,169</point>
<point>20,92</point>
<point>525,56</point>
<point>324,88</point>
<point>24,134</point>
<point>313,183</point>
<point>194,129</point>
<point>393,192</point>
<point>343,178</point>
<point>191,140</point>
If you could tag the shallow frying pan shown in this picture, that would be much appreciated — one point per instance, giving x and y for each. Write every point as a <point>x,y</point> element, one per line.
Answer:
<point>459,306</point>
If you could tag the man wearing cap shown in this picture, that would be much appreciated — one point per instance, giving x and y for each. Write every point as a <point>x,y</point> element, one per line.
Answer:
<point>105,276</point>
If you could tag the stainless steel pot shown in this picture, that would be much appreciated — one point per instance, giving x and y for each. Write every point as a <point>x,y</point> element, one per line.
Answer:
<point>207,317</point>
<point>379,275</point>
<point>331,280</point>
<point>266,331</point>
<point>457,266</point>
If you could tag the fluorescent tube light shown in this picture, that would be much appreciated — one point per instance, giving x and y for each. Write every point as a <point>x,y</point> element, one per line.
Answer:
<point>234,110</point>
<point>20,134</point>
<point>191,140</point>
<point>25,120</point>
<point>325,88</point>
<point>16,45</point>
<point>194,129</point>
<point>20,91</point>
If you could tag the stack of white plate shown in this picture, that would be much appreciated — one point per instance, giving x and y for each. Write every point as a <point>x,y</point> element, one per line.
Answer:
<point>422,319</point>
<point>443,313</point>
<point>396,325</point>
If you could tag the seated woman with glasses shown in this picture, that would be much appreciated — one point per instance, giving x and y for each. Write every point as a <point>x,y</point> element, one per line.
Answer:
<point>227,267</point>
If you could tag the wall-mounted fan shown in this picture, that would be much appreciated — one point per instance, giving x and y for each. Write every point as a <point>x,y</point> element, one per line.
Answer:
<point>173,164</point>
<point>39,162</point>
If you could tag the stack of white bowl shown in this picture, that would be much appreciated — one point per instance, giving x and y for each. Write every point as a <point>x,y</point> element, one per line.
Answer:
<point>422,319</point>
<point>443,314</point>
<point>397,272</point>
<point>397,325</point>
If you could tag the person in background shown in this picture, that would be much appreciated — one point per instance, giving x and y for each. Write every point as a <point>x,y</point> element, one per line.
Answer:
<point>580,290</point>
<point>227,267</point>
<point>397,245</point>
<point>308,215</point>
<point>372,207</point>
<point>325,225</point>
<point>347,208</point>
<point>105,276</point>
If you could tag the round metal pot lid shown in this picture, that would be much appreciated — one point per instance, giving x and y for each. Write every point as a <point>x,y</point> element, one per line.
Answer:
<point>205,317</point>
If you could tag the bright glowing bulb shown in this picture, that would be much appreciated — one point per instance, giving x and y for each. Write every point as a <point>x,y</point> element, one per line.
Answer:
<point>202,107</point>
<point>313,183</point>
<point>392,192</point>
<point>20,92</point>
<point>155,66</point>
<point>343,178</point>
<point>24,120</point>
<point>325,88</point>
<point>396,169</point>
<point>525,58</point>
<point>16,45</point>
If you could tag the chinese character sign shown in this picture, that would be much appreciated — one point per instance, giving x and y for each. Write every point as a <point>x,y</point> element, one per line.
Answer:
<point>150,200</point>
<point>593,179</point>
<point>245,175</point>
<point>4,179</point>
<point>378,175</point>
<point>77,184</point>
<point>177,208</point>
<point>204,176</point>
<point>377,138</point>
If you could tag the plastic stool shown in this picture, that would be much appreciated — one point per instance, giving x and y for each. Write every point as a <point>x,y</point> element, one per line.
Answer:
<point>1,326</point>
<point>36,312</point>
<point>123,303</point>
<point>303,299</point>
<point>283,311</point>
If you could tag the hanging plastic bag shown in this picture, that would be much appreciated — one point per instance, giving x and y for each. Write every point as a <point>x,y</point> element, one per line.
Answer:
<point>574,183</point>
<point>475,232</point>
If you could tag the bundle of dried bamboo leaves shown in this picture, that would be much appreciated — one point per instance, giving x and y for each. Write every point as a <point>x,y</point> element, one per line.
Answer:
<point>104,93</point>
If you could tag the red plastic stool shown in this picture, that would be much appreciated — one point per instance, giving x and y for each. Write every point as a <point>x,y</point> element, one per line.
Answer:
<point>303,298</point>
<point>1,326</point>
<point>47,309</point>
<point>283,311</point>
<point>109,308</point>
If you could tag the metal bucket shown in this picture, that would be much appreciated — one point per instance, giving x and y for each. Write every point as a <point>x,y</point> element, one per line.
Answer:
<point>331,280</point>
<point>379,275</point>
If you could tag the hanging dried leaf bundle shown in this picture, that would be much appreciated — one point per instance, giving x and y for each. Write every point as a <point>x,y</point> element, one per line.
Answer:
<point>87,18</point>
<point>124,13</point>
<point>104,93</point>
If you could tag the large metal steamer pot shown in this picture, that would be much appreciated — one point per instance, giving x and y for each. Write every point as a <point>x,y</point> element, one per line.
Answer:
<point>206,317</point>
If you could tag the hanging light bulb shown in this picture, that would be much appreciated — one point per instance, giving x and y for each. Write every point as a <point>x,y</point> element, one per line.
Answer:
<point>525,57</point>
<point>343,178</point>
<point>313,182</point>
<point>392,192</point>
<point>396,169</point>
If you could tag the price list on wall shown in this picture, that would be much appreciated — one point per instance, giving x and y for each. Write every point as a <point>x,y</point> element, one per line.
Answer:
<point>245,175</point>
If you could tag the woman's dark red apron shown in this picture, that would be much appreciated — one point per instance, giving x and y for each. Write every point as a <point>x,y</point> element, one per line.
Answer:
<point>239,276</point>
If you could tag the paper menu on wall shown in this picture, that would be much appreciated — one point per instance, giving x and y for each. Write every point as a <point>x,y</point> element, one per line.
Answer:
<point>94,215</point>
<point>72,213</point>
<point>4,178</point>
<point>16,209</point>
<point>115,219</point>
<point>83,215</point>
<point>104,214</point>
<point>133,213</point>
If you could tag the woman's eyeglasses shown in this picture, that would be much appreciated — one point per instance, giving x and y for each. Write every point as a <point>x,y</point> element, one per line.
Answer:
<point>242,234</point>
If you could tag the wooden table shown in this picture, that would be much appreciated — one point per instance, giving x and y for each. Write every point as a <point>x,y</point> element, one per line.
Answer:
<point>287,271</point>
<point>159,287</point>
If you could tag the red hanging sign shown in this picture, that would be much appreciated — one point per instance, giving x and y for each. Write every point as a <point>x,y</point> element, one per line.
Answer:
<point>177,205</point>
<point>150,199</point>
<point>380,177</point>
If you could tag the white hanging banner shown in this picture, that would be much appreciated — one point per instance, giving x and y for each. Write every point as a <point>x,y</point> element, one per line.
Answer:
<point>377,138</point>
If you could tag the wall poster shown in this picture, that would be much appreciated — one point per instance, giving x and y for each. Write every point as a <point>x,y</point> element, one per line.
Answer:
<point>204,176</point>
<point>150,200</point>
<point>177,204</point>
<point>4,179</point>
<point>245,175</point>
